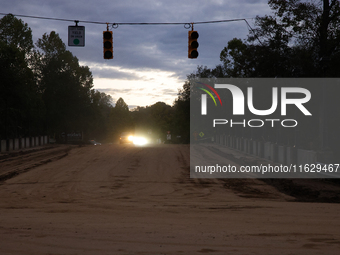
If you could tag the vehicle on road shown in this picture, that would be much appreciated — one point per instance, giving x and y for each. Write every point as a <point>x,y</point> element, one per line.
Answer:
<point>93,142</point>
<point>126,137</point>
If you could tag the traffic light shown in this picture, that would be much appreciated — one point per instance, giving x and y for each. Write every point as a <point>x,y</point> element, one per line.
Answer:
<point>193,44</point>
<point>107,44</point>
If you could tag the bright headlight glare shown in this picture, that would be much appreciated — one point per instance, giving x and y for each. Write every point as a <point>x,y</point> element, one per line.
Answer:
<point>139,141</point>
<point>130,138</point>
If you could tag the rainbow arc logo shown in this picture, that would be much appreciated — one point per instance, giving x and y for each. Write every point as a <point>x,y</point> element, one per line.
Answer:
<point>208,92</point>
<point>204,97</point>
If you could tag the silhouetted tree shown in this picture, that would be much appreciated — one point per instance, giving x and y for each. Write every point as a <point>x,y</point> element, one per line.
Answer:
<point>65,86</point>
<point>21,107</point>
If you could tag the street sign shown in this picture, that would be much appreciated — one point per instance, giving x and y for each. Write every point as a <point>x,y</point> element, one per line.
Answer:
<point>76,36</point>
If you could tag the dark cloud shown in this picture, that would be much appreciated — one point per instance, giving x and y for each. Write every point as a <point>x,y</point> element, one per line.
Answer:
<point>109,73</point>
<point>114,91</point>
<point>169,92</point>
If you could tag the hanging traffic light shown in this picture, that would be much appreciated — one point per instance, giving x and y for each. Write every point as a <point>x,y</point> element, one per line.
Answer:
<point>107,44</point>
<point>193,44</point>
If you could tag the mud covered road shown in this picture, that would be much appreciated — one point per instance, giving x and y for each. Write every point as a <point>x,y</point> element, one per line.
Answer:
<point>121,199</point>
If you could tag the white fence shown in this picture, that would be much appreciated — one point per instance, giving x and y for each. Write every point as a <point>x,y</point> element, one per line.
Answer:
<point>269,151</point>
<point>22,143</point>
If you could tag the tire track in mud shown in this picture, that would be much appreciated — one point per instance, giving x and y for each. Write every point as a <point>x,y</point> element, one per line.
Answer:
<point>12,165</point>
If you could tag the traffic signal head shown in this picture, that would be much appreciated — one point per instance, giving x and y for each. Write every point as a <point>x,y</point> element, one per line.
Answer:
<point>193,44</point>
<point>107,44</point>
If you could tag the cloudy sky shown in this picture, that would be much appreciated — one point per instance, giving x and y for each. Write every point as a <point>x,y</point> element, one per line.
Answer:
<point>150,62</point>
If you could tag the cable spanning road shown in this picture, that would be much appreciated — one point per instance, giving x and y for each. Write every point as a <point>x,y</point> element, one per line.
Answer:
<point>122,199</point>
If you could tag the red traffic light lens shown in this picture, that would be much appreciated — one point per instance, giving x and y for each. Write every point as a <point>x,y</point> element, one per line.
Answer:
<point>194,35</point>
<point>107,35</point>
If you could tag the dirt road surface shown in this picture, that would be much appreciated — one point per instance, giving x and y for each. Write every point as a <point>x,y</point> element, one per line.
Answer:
<point>121,199</point>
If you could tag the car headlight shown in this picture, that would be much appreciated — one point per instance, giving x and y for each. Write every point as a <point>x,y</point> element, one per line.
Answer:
<point>140,141</point>
<point>130,138</point>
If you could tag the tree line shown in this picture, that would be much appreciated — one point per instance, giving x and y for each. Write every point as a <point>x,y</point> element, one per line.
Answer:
<point>44,90</point>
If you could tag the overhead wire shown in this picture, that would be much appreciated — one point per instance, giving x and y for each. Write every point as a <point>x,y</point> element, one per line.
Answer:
<point>125,23</point>
<point>48,18</point>
<point>115,24</point>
